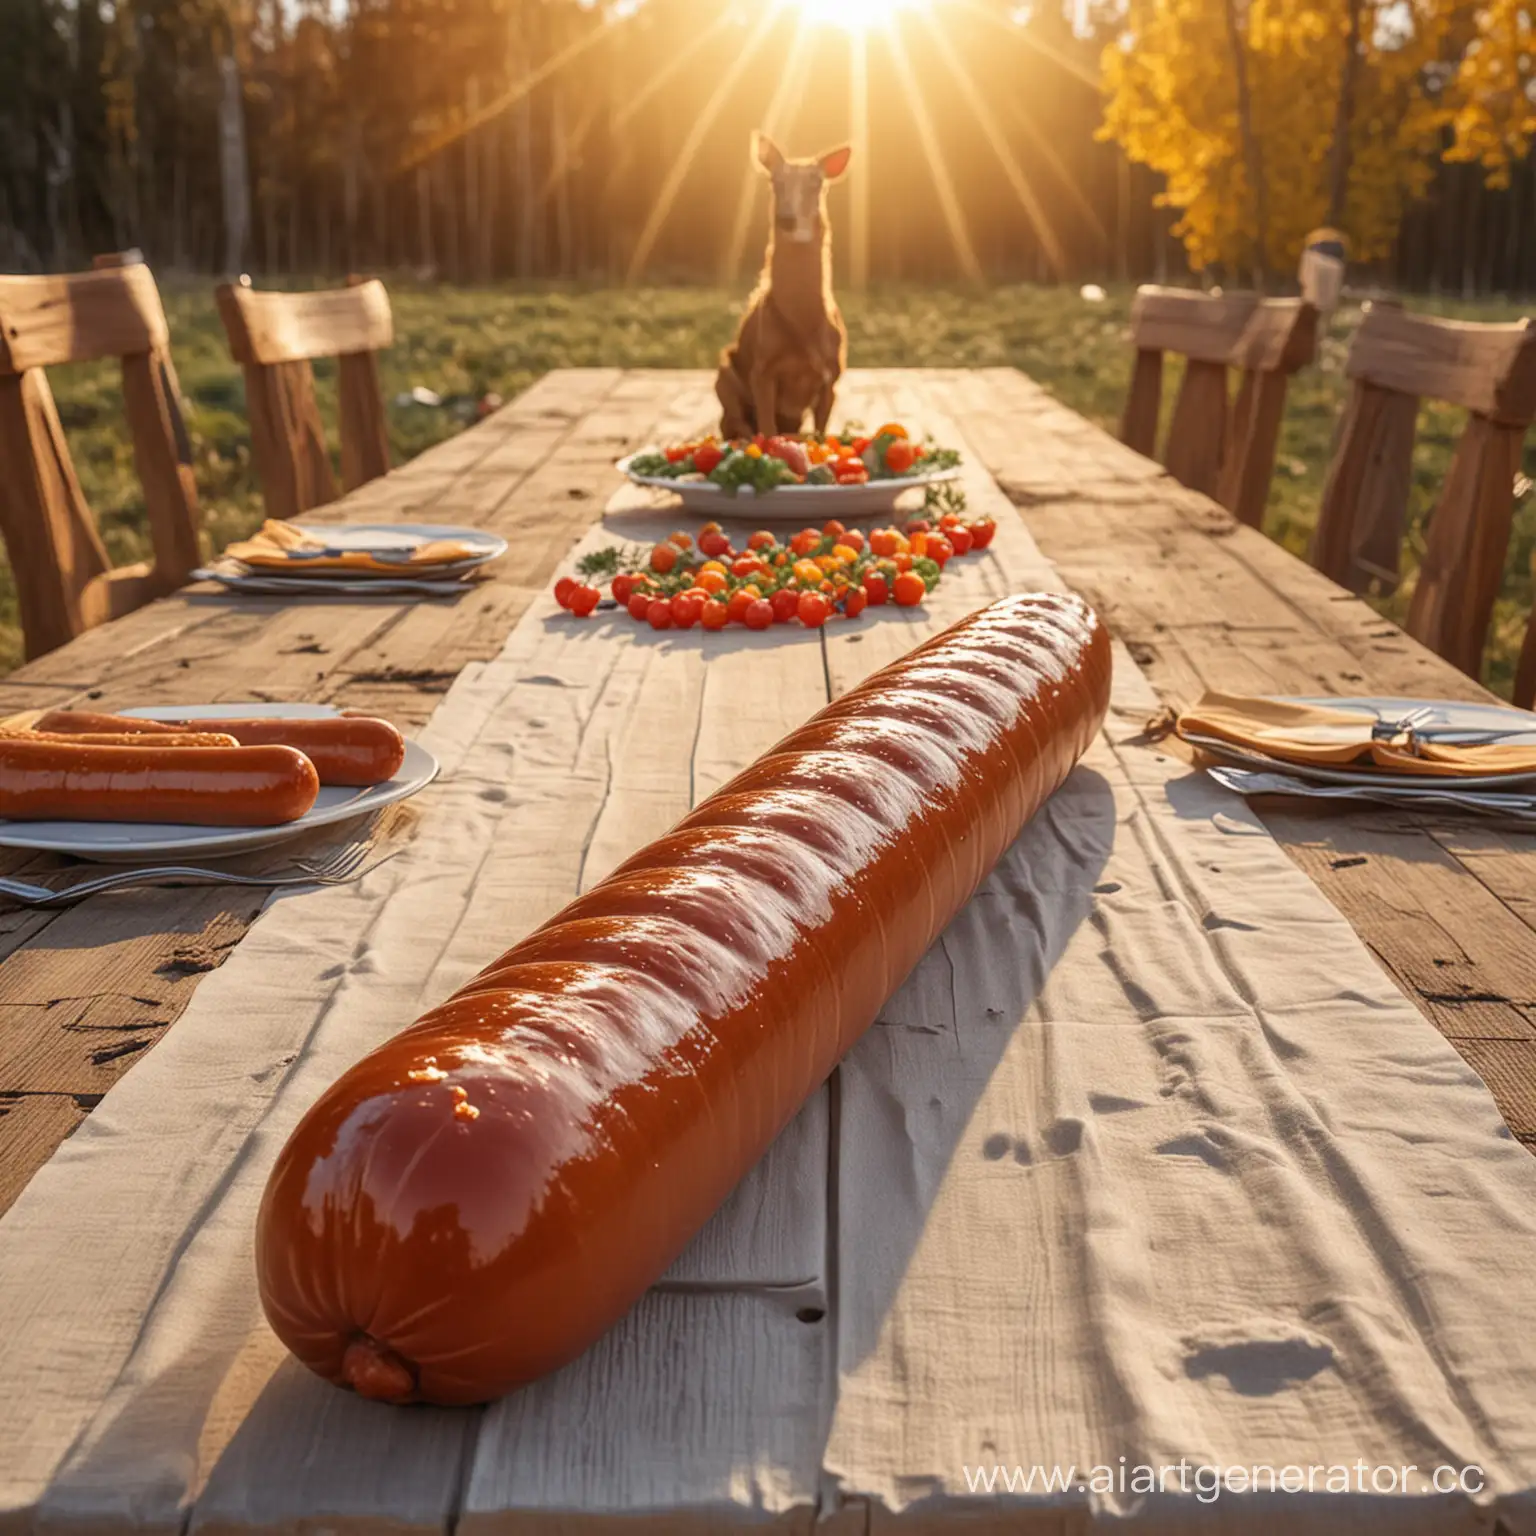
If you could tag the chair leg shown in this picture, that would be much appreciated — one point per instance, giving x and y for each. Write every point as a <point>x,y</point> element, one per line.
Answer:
<point>1197,435</point>
<point>1250,465</point>
<point>1525,672</point>
<point>1138,427</point>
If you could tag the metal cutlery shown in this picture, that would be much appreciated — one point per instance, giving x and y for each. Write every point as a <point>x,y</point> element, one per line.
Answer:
<point>342,867</point>
<point>1409,725</point>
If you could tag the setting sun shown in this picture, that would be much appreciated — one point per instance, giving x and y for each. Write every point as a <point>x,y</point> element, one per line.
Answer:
<point>855,15</point>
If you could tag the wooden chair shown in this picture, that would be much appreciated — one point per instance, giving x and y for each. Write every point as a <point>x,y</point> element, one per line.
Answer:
<point>275,337</point>
<point>64,581</point>
<point>1396,360</point>
<point>1222,448</point>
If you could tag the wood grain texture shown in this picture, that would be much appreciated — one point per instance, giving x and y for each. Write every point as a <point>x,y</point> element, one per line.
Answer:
<point>1200,429</point>
<point>1199,326</point>
<point>78,317</point>
<point>267,328</point>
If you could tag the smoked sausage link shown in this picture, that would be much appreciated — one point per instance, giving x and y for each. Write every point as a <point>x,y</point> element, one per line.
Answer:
<point>478,1200</point>
<point>350,750</point>
<point>49,780</point>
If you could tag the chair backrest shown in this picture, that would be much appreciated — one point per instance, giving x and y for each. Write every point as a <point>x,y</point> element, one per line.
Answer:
<point>1396,360</point>
<point>1222,448</point>
<point>64,582</point>
<point>275,336</point>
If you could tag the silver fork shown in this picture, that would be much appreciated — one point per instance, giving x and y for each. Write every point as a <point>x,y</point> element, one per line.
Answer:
<point>348,864</point>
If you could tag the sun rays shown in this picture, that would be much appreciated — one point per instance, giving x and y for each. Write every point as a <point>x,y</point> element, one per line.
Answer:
<point>894,26</point>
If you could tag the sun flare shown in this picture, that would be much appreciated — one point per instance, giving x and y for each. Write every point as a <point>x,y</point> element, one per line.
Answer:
<point>856,15</point>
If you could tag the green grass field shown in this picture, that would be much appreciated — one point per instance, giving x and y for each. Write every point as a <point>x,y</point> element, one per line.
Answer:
<point>465,342</point>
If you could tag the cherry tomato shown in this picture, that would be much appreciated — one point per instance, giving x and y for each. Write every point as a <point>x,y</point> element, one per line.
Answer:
<point>759,614</point>
<point>853,539</point>
<point>851,473</point>
<point>981,533</point>
<point>858,446</point>
<point>706,456</point>
<point>813,609</point>
<point>686,608</point>
<point>951,520</point>
<point>714,615</point>
<point>909,589</point>
<point>681,539</point>
<point>676,455</point>
<point>916,525</point>
<point>877,588</point>
<point>900,456</point>
<point>807,573</point>
<point>663,558</point>
<point>892,429</point>
<point>583,600</point>
<point>883,543</point>
<point>639,605</point>
<point>659,613</point>
<point>784,602</point>
<point>563,589</point>
<point>714,543</point>
<point>746,565</point>
<point>833,529</point>
<point>622,587</point>
<point>903,561</point>
<point>742,599</point>
<point>711,581</point>
<point>960,539</point>
<point>940,549</point>
<point>710,527</point>
<point>762,539</point>
<point>855,602</point>
<point>805,541</point>
<point>919,543</point>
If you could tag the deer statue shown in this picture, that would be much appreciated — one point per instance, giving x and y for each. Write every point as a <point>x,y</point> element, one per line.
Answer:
<point>792,344</point>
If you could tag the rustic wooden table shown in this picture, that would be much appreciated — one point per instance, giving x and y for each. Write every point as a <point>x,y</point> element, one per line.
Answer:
<point>1445,905</point>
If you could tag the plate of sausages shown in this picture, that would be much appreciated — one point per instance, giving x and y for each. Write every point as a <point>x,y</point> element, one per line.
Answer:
<point>207,779</point>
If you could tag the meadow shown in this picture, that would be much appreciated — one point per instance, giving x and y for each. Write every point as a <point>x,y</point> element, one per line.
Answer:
<point>463,343</point>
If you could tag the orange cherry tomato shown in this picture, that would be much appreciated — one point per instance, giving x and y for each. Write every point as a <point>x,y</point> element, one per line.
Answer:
<point>711,580</point>
<point>903,562</point>
<point>663,558</point>
<point>804,541</point>
<point>813,609</point>
<point>681,539</point>
<point>920,543</point>
<point>709,528</point>
<point>714,615</point>
<point>909,589</point>
<point>746,565</point>
<point>759,614</point>
<point>833,529</point>
<point>807,572</point>
<point>882,542</point>
<point>853,539</point>
<point>892,429</point>
<point>762,539</point>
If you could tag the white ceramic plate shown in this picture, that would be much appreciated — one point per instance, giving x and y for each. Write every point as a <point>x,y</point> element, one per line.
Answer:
<point>1450,722</point>
<point>122,842</point>
<point>390,536</point>
<point>802,504</point>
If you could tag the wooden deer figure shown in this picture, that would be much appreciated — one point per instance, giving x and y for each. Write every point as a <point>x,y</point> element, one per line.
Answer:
<point>792,345</point>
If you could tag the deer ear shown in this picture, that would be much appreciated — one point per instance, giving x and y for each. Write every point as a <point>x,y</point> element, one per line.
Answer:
<point>835,161</point>
<point>767,154</point>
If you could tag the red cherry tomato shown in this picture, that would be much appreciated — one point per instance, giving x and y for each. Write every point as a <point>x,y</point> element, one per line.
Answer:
<point>784,603</point>
<point>583,600</point>
<point>762,539</point>
<point>742,599</point>
<point>686,607</point>
<point>852,538</point>
<point>639,605</point>
<point>909,589</point>
<point>877,588</point>
<point>714,615</point>
<point>713,543</point>
<point>563,589</point>
<point>940,549</point>
<point>858,446</point>
<point>759,614</point>
<point>851,472</point>
<point>663,558</point>
<point>903,562</point>
<point>621,588</point>
<point>981,533</point>
<point>900,456</point>
<point>813,609</point>
<point>833,529</point>
<point>959,539</point>
<point>804,541</point>
<point>746,565</point>
<point>705,457</point>
<point>659,614</point>
<point>916,525</point>
<point>856,602</point>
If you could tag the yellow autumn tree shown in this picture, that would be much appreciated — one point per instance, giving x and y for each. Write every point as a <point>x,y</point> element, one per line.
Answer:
<point>1174,102</point>
<point>1494,92</point>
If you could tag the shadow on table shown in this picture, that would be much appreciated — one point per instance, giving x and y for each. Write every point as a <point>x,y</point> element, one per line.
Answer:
<point>911,1088</point>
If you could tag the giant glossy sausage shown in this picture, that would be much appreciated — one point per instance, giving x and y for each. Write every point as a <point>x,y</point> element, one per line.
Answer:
<point>50,780</point>
<point>477,1201</point>
<point>352,750</point>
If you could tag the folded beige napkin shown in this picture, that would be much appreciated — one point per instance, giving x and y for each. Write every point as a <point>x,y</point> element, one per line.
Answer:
<point>277,544</point>
<point>1315,734</point>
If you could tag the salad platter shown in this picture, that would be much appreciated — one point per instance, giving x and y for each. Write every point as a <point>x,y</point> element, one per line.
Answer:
<point>786,477</point>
